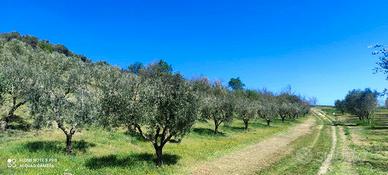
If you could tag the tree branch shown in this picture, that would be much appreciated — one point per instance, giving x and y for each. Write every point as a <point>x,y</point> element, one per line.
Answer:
<point>60,126</point>
<point>138,127</point>
<point>156,136</point>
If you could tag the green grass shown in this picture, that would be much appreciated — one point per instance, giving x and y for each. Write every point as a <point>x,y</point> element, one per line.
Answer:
<point>329,110</point>
<point>373,154</point>
<point>305,158</point>
<point>99,151</point>
<point>347,130</point>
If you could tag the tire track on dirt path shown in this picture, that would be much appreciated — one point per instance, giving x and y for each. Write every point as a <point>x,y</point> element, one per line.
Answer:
<point>325,167</point>
<point>320,127</point>
<point>326,164</point>
<point>347,153</point>
<point>252,158</point>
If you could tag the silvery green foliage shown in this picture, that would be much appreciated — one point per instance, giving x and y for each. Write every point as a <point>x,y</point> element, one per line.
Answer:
<point>284,110</point>
<point>267,110</point>
<point>245,107</point>
<point>123,98</point>
<point>158,104</point>
<point>172,106</point>
<point>292,106</point>
<point>361,103</point>
<point>65,94</point>
<point>2,88</point>
<point>18,73</point>
<point>218,105</point>
<point>203,90</point>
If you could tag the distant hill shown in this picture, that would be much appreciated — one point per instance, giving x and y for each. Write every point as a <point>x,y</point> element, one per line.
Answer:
<point>35,42</point>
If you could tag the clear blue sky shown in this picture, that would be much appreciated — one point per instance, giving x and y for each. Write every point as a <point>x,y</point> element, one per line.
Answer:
<point>320,48</point>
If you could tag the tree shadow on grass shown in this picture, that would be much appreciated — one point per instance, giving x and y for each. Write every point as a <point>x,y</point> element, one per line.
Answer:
<point>377,128</point>
<point>207,132</point>
<point>129,161</point>
<point>57,146</point>
<point>376,164</point>
<point>136,136</point>
<point>235,128</point>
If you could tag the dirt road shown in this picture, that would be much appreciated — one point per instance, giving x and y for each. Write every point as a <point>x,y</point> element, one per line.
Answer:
<point>252,158</point>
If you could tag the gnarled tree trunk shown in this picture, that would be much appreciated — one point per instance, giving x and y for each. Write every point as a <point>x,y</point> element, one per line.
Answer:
<point>11,112</point>
<point>69,143</point>
<point>217,123</point>
<point>69,137</point>
<point>159,154</point>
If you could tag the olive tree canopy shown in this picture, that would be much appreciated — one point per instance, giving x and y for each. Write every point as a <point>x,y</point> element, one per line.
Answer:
<point>245,108</point>
<point>173,106</point>
<point>65,95</point>
<point>18,74</point>
<point>361,103</point>
<point>218,105</point>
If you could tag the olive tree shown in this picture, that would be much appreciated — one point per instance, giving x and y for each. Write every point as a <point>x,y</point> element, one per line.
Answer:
<point>218,106</point>
<point>284,110</point>
<point>340,106</point>
<point>292,106</point>
<point>125,98</point>
<point>159,104</point>
<point>304,109</point>
<point>65,96</point>
<point>201,86</point>
<point>267,111</point>
<point>361,103</point>
<point>173,106</point>
<point>295,110</point>
<point>18,75</point>
<point>245,108</point>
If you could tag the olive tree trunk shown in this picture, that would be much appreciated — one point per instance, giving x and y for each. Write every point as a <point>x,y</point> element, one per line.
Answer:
<point>159,154</point>
<point>69,143</point>
<point>11,112</point>
<point>69,137</point>
<point>268,122</point>
<point>217,123</point>
<point>246,122</point>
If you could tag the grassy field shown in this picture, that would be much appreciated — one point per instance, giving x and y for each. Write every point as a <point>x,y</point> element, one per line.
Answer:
<point>114,152</point>
<point>371,146</point>
<point>102,152</point>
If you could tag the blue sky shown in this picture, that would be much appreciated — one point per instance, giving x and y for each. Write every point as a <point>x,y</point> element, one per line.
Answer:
<point>320,48</point>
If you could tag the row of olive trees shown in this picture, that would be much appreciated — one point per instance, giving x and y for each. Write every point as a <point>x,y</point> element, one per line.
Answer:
<point>72,94</point>
<point>361,103</point>
<point>222,105</point>
<point>152,101</point>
